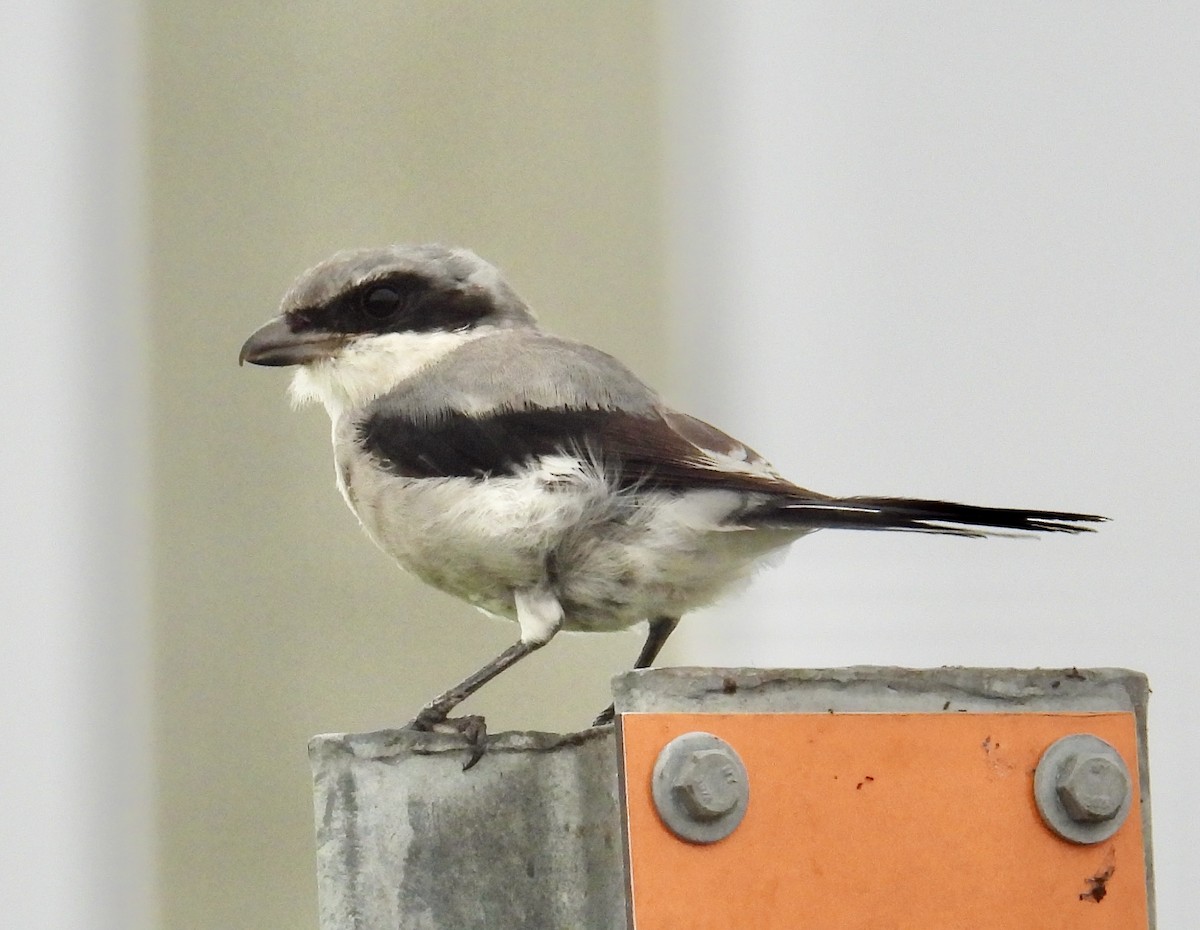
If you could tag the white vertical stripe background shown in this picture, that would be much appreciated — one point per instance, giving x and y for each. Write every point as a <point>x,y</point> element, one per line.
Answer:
<point>74,772</point>
<point>952,250</point>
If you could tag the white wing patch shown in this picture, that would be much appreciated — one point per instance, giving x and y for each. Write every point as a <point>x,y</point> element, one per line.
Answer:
<point>742,461</point>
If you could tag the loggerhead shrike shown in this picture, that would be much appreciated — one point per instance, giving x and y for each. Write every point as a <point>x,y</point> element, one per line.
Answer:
<point>535,477</point>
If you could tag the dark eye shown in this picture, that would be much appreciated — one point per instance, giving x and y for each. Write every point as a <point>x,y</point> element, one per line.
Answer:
<point>381,302</point>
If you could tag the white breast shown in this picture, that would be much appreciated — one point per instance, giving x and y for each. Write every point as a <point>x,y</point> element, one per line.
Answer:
<point>614,558</point>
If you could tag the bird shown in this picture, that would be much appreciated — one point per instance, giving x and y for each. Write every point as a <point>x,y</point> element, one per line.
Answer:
<point>536,477</point>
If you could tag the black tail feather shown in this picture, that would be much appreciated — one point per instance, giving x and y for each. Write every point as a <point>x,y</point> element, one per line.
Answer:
<point>918,516</point>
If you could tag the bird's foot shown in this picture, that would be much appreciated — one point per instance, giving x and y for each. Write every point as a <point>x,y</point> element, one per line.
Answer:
<point>471,726</point>
<point>605,716</point>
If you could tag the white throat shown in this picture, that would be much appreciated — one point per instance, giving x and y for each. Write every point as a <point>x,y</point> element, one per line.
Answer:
<point>370,366</point>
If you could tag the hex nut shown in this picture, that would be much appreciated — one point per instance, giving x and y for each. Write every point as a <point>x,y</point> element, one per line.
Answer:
<point>1092,788</point>
<point>708,784</point>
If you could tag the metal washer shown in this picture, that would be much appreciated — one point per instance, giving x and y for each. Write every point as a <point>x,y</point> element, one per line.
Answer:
<point>1045,789</point>
<point>671,760</point>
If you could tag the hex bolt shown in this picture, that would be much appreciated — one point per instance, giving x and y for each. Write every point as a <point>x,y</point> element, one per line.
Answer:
<point>708,784</point>
<point>1092,788</point>
<point>700,787</point>
<point>1083,789</point>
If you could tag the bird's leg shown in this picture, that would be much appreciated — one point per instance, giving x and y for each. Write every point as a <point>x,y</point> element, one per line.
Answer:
<point>439,708</point>
<point>656,638</point>
<point>540,616</point>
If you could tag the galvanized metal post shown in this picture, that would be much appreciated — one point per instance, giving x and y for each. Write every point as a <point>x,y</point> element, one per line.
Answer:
<point>529,837</point>
<point>532,837</point>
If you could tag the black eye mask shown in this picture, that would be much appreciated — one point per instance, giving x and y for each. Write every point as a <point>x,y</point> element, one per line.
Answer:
<point>396,303</point>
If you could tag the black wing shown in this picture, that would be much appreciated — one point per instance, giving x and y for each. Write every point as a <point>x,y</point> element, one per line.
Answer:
<point>666,450</point>
<point>656,449</point>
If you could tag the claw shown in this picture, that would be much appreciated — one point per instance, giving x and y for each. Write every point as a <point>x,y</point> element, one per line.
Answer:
<point>472,726</point>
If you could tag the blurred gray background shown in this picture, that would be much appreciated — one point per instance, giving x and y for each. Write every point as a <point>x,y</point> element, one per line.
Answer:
<point>921,248</point>
<point>529,132</point>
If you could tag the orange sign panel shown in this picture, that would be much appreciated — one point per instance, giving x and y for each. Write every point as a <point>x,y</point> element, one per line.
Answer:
<point>881,822</point>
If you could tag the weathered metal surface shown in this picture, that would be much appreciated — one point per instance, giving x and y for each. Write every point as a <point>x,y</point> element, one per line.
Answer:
<point>531,837</point>
<point>528,838</point>
<point>873,689</point>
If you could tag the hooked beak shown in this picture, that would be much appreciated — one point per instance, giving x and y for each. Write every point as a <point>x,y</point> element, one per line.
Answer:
<point>275,344</point>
